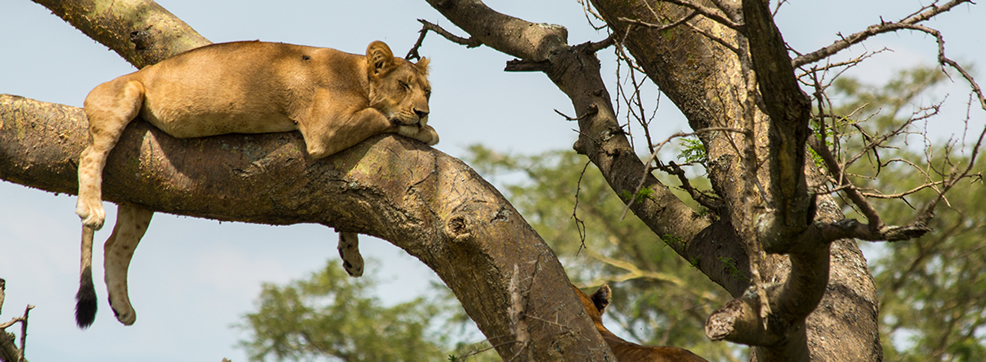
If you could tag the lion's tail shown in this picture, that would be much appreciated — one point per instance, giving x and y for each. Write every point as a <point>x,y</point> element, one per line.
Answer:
<point>85,305</point>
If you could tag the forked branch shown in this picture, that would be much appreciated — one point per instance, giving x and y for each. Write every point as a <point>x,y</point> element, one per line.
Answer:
<point>470,42</point>
<point>8,349</point>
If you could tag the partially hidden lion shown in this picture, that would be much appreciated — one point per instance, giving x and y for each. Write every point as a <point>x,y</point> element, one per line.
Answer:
<point>624,351</point>
<point>335,99</point>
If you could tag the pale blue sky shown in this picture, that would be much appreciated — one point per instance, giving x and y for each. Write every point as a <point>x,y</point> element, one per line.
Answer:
<point>192,278</point>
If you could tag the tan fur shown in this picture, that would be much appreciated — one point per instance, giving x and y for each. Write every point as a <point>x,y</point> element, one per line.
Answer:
<point>335,99</point>
<point>595,306</point>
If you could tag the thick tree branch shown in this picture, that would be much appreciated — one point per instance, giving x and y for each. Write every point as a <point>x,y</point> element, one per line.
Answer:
<point>427,203</point>
<point>789,111</point>
<point>527,41</point>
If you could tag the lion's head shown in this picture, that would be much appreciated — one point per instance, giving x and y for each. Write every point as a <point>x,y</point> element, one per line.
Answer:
<point>398,88</point>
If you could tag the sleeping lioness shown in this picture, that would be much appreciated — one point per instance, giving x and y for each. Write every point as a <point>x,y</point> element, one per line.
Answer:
<point>335,99</point>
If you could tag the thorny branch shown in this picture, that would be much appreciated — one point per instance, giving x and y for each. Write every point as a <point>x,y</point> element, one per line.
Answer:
<point>634,99</point>
<point>923,14</point>
<point>876,230</point>
<point>657,148</point>
<point>703,198</point>
<point>659,26</point>
<point>848,64</point>
<point>836,171</point>
<point>579,224</point>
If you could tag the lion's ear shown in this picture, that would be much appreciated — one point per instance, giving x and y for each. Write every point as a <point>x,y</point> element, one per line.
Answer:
<point>380,57</point>
<point>422,65</point>
<point>601,298</point>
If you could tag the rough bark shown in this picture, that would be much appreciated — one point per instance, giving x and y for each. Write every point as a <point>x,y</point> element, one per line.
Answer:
<point>421,200</point>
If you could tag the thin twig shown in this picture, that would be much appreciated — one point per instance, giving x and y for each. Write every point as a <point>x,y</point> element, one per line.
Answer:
<point>708,12</point>
<point>872,217</point>
<point>579,224</point>
<point>660,27</point>
<point>591,111</point>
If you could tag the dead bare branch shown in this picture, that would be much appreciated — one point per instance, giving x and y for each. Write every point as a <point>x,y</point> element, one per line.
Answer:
<point>8,351</point>
<point>848,64</point>
<point>925,13</point>
<point>835,170</point>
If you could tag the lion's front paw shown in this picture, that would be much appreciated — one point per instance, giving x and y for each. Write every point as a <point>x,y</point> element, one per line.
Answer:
<point>427,135</point>
<point>91,212</point>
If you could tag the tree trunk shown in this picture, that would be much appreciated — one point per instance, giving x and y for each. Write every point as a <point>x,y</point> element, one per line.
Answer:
<point>429,204</point>
<point>716,84</point>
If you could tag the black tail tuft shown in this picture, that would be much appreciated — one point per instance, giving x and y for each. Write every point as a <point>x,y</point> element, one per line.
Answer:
<point>85,306</point>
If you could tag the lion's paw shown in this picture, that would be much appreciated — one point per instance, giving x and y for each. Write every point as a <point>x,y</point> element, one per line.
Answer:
<point>125,314</point>
<point>92,213</point>
<point>428,135</point>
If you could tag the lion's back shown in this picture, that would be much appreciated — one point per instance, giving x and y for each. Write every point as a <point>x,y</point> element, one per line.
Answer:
<point>238,87</point>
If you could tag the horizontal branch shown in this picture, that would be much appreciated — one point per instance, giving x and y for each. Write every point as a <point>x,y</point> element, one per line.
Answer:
<point>852,229</point>
<point>429,204</point>
<point>527,41</point>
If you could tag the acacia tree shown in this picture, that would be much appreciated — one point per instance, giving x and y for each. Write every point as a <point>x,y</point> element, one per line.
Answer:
<point>773,236</point>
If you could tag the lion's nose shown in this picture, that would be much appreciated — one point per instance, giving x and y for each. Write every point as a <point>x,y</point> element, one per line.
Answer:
<point>421,114</point>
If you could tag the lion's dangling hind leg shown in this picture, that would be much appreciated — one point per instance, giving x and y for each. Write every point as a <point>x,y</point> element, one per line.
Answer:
<point>131,224</point>
<point>109,108</point>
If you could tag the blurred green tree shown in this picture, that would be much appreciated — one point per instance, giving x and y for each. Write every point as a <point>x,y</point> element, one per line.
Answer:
<point>333,315</point>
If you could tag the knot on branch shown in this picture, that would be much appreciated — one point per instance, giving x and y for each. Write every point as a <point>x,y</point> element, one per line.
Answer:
<point>141,39</point>
<point>458,229</point>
